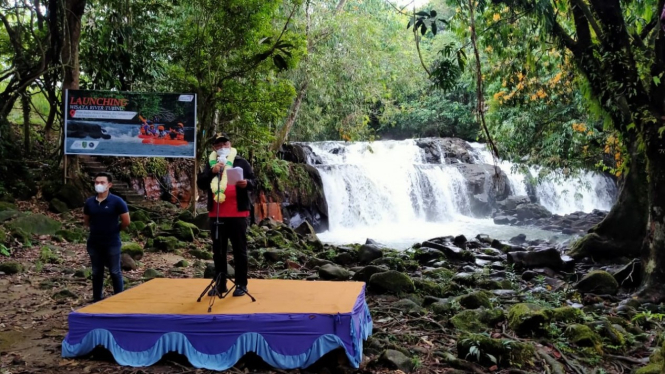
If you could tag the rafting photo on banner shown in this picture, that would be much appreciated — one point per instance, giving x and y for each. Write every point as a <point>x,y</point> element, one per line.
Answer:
<point>130,124</point>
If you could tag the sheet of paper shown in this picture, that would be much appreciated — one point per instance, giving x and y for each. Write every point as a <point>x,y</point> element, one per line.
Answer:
<point>234,175</point>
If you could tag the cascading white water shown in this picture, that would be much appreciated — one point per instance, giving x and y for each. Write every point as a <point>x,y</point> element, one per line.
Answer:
<point>387,183</point>
<point>385,190</point>
<point>584,193</point>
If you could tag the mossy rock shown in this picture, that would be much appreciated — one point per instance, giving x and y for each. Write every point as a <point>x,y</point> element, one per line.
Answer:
<point>475,300</point>
<point>70,195</point>
<point>8,214</point>
<point>139,216</point>
<point>430,288</point>
<point>391,282</point>
<point>57,206</point>
<point>152,273</point>
<point>11,267</point>
<point>440,274</point>
<point>3,235</point>
<point>477,320</point>
<point>167,244</point>
<point>134,250</point>
<point>598,282</point>
<point>528,319</point>
<point>185,231</point>
<point>20,235</point>
<point>201,255</point>
<point>37,224</point>
<point>72,236</point>
<point>276,239</point>
<point>566,314</point>
<point>393,263</point>
<point>4,206</point>
<point>136,227</point>
<point>150,230</point>
<point>611,333</point>
<point>584,336</point>
<point>489,352</point>
<point>656,362</point>
<point>83,273</point>
<point>181,264</point>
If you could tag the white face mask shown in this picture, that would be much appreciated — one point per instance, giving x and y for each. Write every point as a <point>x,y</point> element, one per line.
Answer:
<point>223,152</point>
<point>100,188</point>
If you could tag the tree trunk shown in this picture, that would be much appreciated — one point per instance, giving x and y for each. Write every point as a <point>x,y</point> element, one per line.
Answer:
<point>653,254</point>
<point>622,231</point>
<point>291,119</point>
<point>25,106</point>
<point>70,51</point>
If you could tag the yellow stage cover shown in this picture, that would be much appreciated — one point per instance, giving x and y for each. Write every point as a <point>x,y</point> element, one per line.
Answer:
<point>178,296</point>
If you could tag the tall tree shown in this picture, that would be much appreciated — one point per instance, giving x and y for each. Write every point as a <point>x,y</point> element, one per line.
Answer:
<point>619,47</point>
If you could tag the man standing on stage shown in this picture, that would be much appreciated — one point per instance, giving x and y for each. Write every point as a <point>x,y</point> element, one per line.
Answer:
<point>228,206</point>
<point>106,215</point>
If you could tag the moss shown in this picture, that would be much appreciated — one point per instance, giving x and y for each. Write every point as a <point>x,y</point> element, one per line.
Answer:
<point>134,250</point>
<point>37,224</point>
<point>392,282</point>
<point>440,274</point>
<point>181,264</point>
<point>429,288</point>
<point>468,321</point>
<point>11,268</point>
<point>20,235</point>
<point>477,320</point>
<point>3,236</point>
<point>566,314</point>
<point>152,273</point>
<point>527,319</point>
<point>167,244</point>
<point>488,350</point>
<point>584,336</point>
<point>139,216</point>
<point>651,369</point>
<point>150,230</point>
<point>6,206</point>
<point>136,227</point>
<point>72,236</point>
<point>202,255</point>
<point>185,231</point>
<point>475,300</point>
<point>598,282</point>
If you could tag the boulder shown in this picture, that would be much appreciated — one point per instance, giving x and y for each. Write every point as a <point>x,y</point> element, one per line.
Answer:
<point>526,260</point>
<point>185,231</point>
<point>72,236</point>
<point>332,272</point>
<point>598,282</point>
<point>583,336</point>
<point>531,211</point>
<point>134,250</point>
<point>202,221</point>
<point>485,186</point>
<point>477,320</point>
<point>368,253</point>
<point>527,319</point>
<point>71,196</point>
<point>366,273</point>
<point>181,264</point>
<point>391,282</point>
<point>475,300</point>
<point>396,360</point>
<point>7,215</point>
<point>127,263</point>
<point>166,244</point>
<point>201,254</point>
<point>152,273</point>
<point>305,229</point>
<point>35,224</point>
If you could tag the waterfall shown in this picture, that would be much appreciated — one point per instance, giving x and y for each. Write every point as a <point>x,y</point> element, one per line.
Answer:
<point>387,190</point>
<point>583,193</point>
<point>386,182</point>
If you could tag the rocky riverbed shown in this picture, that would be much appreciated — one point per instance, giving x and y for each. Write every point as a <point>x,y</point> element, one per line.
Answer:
<point>450,304</point>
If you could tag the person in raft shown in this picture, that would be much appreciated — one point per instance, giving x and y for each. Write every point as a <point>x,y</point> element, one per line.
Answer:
<point>229,205</point>
<point>106,215</point>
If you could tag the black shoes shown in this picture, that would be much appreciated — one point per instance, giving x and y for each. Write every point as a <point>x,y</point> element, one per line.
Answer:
<point>240,291</point>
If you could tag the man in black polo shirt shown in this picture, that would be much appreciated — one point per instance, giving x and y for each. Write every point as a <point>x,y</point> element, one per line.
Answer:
<point>106,214</point>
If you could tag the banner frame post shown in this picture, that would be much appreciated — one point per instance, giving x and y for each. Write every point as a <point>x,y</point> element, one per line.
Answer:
<point>194,188</point>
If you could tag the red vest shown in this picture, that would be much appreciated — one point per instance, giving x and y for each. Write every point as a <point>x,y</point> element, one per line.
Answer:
<point>229,208</point>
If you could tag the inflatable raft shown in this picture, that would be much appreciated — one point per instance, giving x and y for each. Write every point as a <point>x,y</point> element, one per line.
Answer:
<point>162,141</point>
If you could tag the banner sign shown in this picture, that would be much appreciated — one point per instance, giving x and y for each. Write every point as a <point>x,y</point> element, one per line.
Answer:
<point>130,124</point>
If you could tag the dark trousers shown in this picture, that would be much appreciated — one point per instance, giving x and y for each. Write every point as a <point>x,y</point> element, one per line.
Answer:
<point>105,255</point>
<point>234,229</point>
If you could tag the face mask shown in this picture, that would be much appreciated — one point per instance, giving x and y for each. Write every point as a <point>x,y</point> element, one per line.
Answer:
<point>100,188</point>
<point>223,152</point>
